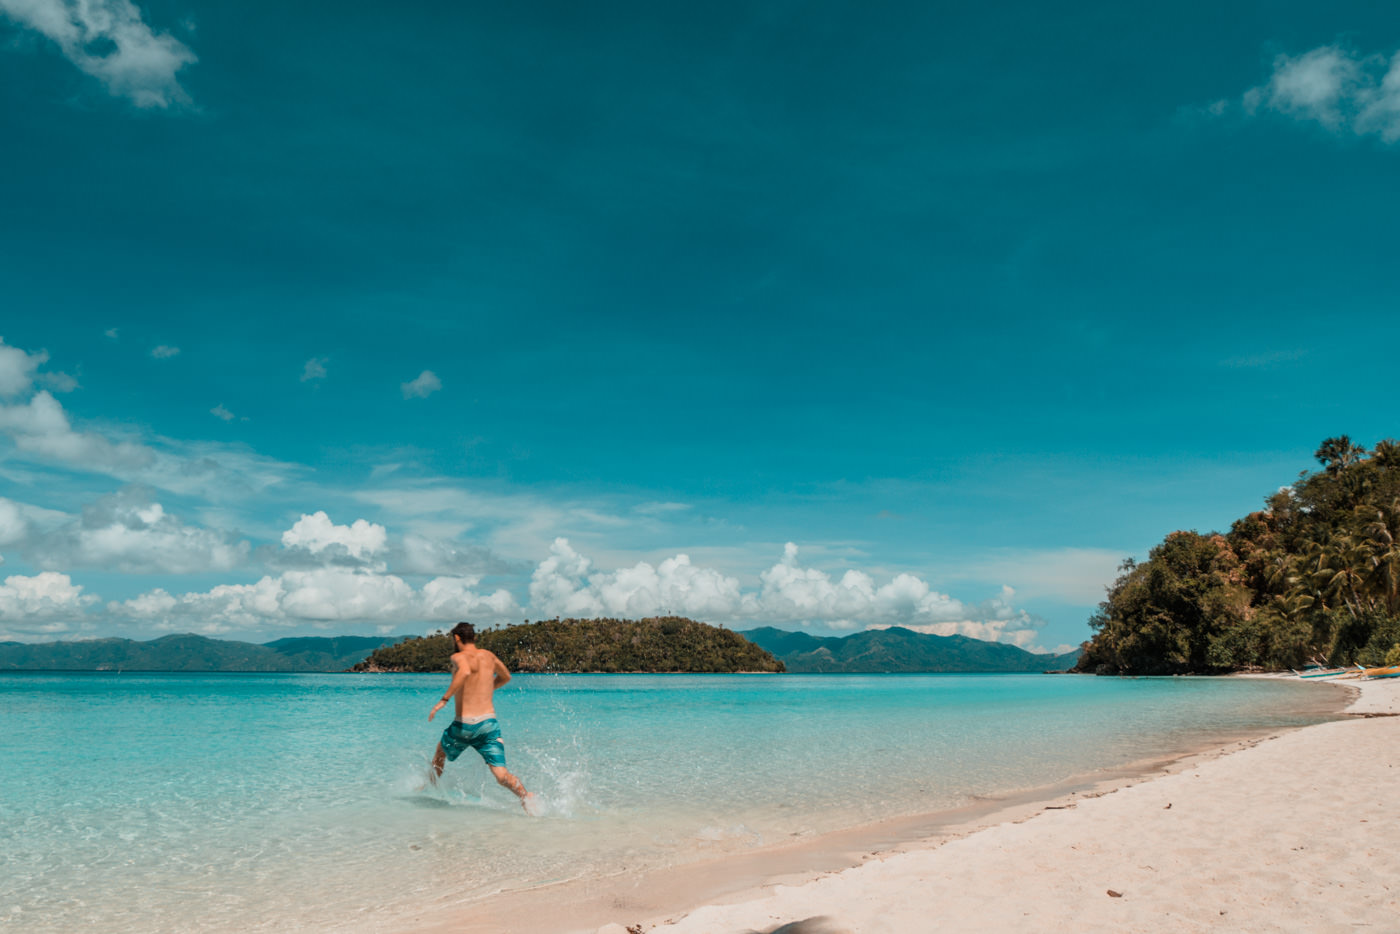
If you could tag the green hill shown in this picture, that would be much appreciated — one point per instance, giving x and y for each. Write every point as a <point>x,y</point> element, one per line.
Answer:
<point>657,644</point>
<point>188,652</point>
<point>900,650</point>
<point>1313,575</point>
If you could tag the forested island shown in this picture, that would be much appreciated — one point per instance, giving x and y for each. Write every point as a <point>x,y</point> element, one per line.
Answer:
<point>655,644</point>
<point>192,653</point>
<point>897,649</point>
<point>1315,575</point>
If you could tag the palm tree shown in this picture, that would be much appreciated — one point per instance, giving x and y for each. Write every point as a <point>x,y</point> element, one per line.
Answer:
<point>1337,454</point>
<point>1380,546</point>
<point>1387,454</point>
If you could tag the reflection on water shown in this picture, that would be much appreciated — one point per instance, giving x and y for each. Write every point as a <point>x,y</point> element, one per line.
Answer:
<point>223,802</point>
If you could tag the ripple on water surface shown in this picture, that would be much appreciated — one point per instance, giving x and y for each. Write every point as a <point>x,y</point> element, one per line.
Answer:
<point>222,802</point>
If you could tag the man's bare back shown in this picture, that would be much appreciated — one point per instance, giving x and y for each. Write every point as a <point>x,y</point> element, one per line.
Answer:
<point>484,673</point>
<point>476,673</point>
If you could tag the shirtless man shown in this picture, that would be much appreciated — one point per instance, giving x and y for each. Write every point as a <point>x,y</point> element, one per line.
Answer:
<point>476,673</point>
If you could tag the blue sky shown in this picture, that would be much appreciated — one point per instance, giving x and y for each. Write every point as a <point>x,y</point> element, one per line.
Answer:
<point>355,318</point>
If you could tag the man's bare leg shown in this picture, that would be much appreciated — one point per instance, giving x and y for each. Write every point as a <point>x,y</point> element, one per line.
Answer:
<point>439,760</point>
<point>513,784</point>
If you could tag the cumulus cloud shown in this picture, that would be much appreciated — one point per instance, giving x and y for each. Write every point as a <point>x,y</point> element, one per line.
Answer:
<point>41,426</point>
<point>562,585</point>
<point>18,369</point>
<point>45,604</point>
<point>222,413</point>
<point>446,598</point>
<point>131,533</point>
<point>318,535</point>
<point>164,352</point>
<point>341,573</point>
<point>565,584</point>
<point>317,596</point>
<point>1335,87</point>
<point>14,524</point>
<point>792,593</point>
<point>423,386</point>
<point>315,369</point>
<point>109,40</point>
<point>994,620</point>
<point>337,575</point>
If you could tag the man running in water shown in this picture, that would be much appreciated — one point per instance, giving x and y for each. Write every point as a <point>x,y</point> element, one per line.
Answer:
<point>476,673</point>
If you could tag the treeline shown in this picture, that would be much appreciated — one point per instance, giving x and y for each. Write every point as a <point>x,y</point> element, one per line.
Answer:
<point>657,644</point>
<point>1313,576</point>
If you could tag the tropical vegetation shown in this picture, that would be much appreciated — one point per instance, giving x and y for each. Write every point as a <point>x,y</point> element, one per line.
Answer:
<point>1314,576</point>
<point>655,644</point>
<point>188,652</point>
<point>900,650</point>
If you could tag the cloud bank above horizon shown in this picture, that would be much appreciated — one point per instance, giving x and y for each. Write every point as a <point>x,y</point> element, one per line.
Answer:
<point>319,573</point>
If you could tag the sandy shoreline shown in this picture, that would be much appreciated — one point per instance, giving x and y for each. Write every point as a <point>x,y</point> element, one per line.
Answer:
<point>1292,832</point>
<point>1046,859</point>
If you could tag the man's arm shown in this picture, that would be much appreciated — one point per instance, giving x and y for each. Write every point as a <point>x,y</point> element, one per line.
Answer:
<point>459,677</point>
<point>501,672</point>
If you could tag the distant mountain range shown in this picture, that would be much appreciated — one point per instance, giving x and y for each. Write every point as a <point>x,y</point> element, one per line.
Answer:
<point>900,650</point>
<point>192,653</point>
<point>872,651</point>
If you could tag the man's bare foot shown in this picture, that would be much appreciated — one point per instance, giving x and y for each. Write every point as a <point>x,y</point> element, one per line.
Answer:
<point>532,805</point>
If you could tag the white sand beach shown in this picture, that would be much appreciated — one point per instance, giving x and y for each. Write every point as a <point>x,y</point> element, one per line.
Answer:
<point>1295,832</point>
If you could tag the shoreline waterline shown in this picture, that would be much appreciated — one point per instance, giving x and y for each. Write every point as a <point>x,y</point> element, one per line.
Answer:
<point>583,906</point>
<point>301,808</point>
<point>1259,835</point>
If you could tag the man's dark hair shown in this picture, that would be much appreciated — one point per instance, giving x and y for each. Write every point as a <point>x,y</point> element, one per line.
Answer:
<point>465,631</point>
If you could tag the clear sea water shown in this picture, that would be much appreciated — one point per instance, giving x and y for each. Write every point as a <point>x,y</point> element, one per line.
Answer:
<point>174,802</point>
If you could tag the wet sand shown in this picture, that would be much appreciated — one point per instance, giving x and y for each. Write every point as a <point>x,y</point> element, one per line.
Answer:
<point>1044,858</point>
<point>1291,832</point>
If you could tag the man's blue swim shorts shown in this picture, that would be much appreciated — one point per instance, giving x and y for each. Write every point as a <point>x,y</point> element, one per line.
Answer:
<point>484,737</point>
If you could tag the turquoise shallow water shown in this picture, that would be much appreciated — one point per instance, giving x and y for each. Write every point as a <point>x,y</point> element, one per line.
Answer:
<point>170,802</point>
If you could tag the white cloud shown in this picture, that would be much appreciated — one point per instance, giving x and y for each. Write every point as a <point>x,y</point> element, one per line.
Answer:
<point>424,385</point>
<point>58,382</point>
<point>339,593</point>
<point>318,596</point>
<point>131,533</point>
<point>792,593</point>
<point>41,427</point>
<point>420,554</point>
<point>994,620</point>
<point>164,352</point>
<point>109,40</point>
<point>20,523</point>
<point>45,604</point>
<point>561,585</point>
<point>14,524</point>
<point>316,533</point>
<point>112,333</point>
<point>17,369</point>
<point>222,413</point>
<point>520,525</point>
<point>565,584</point>
<point>1335,87</point>
<point>315,369</point>
<point>453,598</point>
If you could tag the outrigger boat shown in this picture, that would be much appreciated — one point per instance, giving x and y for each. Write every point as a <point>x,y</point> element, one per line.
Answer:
<point>1321,672</point>
<point>1391,671</point>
